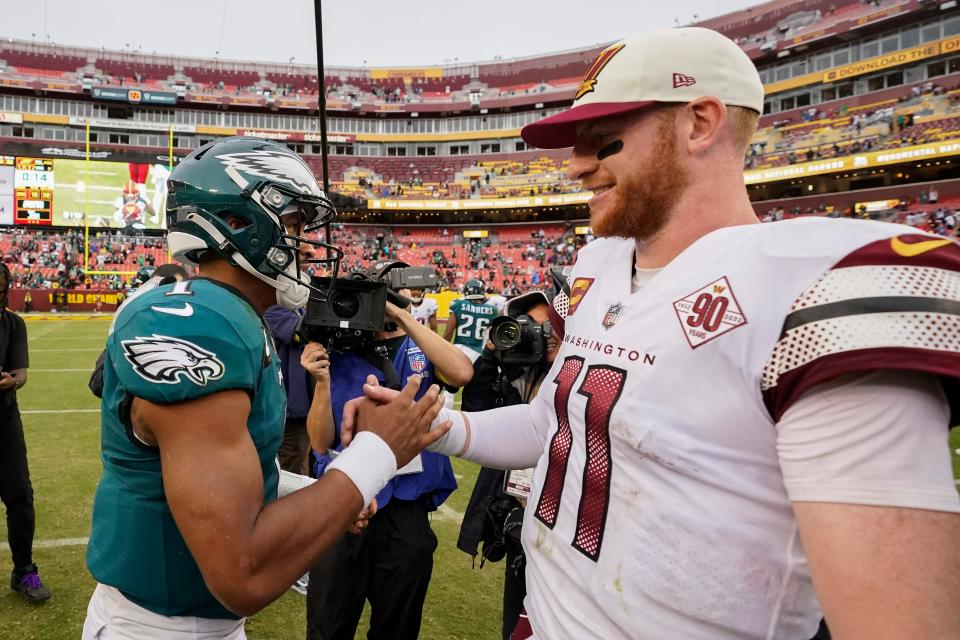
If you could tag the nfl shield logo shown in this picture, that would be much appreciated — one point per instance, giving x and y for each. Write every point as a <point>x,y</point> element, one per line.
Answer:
<point>418,362</point>
<point>613,313</point>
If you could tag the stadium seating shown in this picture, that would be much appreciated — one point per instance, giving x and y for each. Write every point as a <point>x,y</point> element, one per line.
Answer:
<point>42,59</point>
<point>135,70</point>
<point>213,76</point>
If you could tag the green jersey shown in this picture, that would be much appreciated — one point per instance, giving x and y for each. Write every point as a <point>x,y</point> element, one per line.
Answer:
<point>174,343</point>
<point>473,318</point>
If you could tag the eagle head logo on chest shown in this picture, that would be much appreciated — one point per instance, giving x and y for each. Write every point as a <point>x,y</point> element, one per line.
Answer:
<point>709,312</point>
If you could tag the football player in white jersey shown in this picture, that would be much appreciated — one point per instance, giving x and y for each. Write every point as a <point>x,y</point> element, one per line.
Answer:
<point>746,425</point>
<point>496,300</point>
<point>422,308</point>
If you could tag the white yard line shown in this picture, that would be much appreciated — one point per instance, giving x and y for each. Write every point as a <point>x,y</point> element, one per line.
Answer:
<point>35,411</point>
<point>89,369</point>
<point>51,544</point>
<point>446,514</point>
<point>63,350</point>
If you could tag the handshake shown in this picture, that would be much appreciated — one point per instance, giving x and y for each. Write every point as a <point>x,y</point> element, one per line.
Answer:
<point>396,417</point>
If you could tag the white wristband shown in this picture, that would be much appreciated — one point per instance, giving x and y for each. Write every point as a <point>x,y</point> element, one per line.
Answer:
<point>454,441</point>
<point>368,462</point>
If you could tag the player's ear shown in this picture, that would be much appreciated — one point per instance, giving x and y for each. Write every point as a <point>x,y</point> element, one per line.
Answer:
<point>705,119</point>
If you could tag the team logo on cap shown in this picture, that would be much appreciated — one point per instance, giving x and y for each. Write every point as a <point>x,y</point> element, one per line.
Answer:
<point>589,81</point>
<point>680,80</point>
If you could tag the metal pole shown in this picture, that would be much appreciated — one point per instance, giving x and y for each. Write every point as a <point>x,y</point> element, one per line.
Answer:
<point>322,103</point>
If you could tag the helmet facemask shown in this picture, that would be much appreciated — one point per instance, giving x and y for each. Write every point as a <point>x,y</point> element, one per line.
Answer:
<point>283,261</point>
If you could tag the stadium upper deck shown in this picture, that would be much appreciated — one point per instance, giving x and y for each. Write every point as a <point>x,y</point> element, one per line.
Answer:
<point>853,89</point>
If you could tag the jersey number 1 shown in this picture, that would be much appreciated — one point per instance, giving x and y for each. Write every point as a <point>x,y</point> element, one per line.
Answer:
<point>602,386</point>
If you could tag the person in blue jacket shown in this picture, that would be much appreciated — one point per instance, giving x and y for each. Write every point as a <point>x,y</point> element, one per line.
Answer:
<point>295,446</point>
<point>389,563</point>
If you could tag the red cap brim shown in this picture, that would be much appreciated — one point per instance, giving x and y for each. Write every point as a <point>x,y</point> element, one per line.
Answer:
<point>560,130</point>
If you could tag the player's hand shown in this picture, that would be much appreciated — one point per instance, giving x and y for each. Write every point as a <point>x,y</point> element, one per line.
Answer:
<point>349,415</point>
<point>363,519</point>
<point>403,423</point>
<point>7,381</point>
<point>316,362</point>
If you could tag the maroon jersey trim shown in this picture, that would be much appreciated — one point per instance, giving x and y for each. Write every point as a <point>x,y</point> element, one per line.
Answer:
<point>793,384</point>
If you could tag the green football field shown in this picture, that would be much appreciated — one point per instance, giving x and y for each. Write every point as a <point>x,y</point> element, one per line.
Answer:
<point>61,419</point>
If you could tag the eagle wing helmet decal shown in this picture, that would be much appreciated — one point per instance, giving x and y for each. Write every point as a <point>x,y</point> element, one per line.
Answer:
<point>163,359</point>
<point>276,167</point>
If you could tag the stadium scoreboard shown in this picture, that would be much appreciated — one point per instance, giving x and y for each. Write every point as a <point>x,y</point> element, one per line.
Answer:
<point>33,186</point>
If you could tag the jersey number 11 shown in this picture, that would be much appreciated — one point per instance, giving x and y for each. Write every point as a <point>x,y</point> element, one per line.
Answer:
<point>602,386</point>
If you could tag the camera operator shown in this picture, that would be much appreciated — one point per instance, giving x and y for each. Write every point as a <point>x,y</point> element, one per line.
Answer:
<point>390,561</point>
<point>495,510</point>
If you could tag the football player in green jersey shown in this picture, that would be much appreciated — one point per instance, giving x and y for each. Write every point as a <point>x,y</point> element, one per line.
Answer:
<point>188,534</point>
<point>469,318</point>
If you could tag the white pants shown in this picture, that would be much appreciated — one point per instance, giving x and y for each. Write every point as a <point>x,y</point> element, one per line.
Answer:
<point>110,616</point>
<point>470,353</point>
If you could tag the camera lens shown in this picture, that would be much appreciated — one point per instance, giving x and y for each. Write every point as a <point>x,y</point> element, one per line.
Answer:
<point>345,304</point>
<point>506,335</point>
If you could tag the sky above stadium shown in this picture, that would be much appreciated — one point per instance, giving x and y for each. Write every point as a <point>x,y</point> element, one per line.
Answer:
<point>356,32</point>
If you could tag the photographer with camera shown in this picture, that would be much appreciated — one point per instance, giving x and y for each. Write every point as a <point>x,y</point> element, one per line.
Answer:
<point>390,561</point>
<point>521,347</point>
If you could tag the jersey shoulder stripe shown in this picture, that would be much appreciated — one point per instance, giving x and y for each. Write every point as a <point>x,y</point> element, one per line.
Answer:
<point>893,303</point>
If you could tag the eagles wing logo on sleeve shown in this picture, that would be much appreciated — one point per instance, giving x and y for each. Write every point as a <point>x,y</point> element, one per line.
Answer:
<point>163,359</point>
<point>278,167</point>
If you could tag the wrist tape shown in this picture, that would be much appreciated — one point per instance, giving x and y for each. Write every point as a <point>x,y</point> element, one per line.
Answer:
<point>368,462</point>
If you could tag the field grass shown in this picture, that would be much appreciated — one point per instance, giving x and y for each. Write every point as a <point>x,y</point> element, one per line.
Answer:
<point>63,449</point>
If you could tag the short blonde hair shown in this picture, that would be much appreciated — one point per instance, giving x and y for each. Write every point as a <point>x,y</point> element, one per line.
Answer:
<point>743,124</point>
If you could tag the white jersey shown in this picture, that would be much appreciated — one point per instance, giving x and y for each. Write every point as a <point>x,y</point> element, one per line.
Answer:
<point>660,509</point>
<point>424,311</point>
<point>498,301</point>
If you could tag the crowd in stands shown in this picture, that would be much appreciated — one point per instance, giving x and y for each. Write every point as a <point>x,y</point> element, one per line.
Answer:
<point>47,260</point>
<point>927,212</point>
<point>490,179</point>
<point>510,260</point>
<point>924,113</point>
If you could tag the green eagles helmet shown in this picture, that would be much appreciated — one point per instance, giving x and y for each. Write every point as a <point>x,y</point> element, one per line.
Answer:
<point>473,290</point>
<point>259,182</point>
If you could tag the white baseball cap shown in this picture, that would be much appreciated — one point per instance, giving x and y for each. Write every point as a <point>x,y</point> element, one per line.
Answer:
<point>666,65</point>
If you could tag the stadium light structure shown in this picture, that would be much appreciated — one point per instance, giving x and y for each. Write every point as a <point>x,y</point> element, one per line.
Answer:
<point>322,105</point>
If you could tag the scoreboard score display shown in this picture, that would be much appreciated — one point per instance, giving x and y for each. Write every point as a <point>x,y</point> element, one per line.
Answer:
<point>33,185</point>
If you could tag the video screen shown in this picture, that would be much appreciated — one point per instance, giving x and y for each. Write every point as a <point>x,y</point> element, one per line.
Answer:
<point>117,195</point>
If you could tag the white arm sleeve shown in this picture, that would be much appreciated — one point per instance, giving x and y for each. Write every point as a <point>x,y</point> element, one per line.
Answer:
<point>505,438</point>
<point>879,438</point>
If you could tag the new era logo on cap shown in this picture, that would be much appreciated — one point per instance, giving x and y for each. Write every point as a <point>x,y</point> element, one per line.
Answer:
<point>680,80</point>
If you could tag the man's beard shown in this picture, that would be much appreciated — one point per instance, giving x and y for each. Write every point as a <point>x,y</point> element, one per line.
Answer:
<point>646,199</point>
